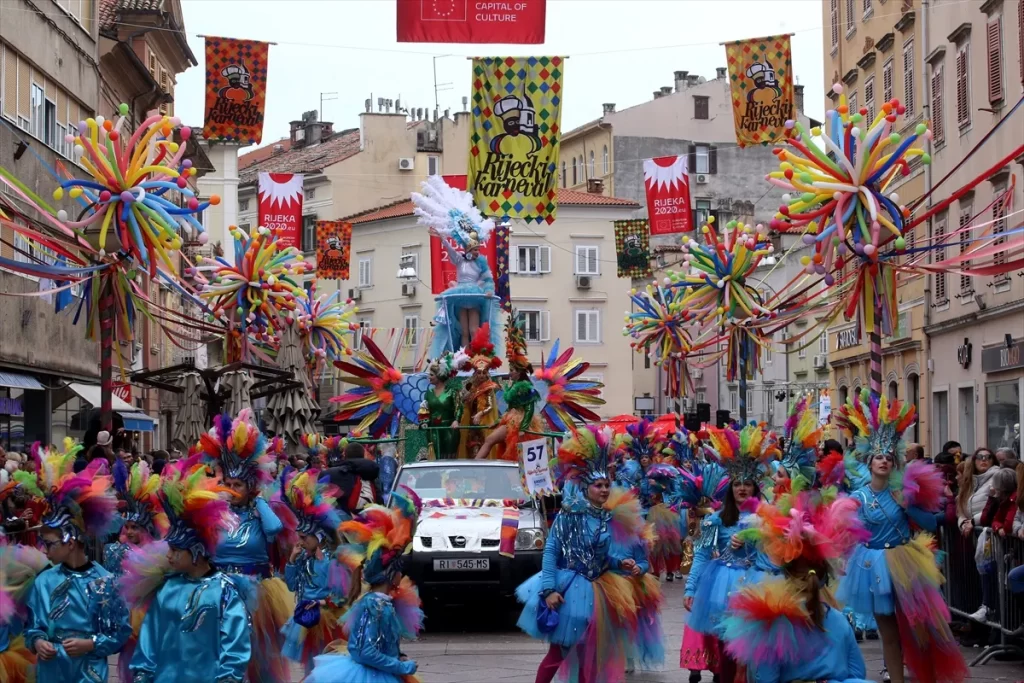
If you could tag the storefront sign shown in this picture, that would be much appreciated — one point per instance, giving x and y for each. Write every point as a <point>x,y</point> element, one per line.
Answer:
<point>1002,357</point>
<point>847,339</point>
<point>10,406</point>
<point>122,391</point>
<point>963,354</point>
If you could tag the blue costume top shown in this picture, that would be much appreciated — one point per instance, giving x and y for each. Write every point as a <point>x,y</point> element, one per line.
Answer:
<point>473,289</point>
<point>195,631</point>
<point>373,647</point>
<point>113,558</point>
<point>84,603</point>
<point>887,520</point>
<point>714,543</point>
<point>841,660</point>
<point>244,551</point>
<point>307,577</point>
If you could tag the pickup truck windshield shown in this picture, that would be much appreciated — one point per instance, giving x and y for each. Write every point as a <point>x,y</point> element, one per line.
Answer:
<point>464,481</point>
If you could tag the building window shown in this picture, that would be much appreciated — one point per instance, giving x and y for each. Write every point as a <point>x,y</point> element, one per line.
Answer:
<point>365,327</point>
<point>243,205</point>
<point>963,86</point>
<point>850,26</point>
<point>938,113</point>
<point>853,102</point>
<point>583,171</point>
<point>309,194</point>
<point>867,9</point>
<point>869,101</point>
<point>994,51</point>
<point>734,400</point>
<point>50,124</point>
<point>592,169</point>
<point>563,173</point>
<point>411,325</point>
<point>998,228</point>
<point>309,233</point>
<point>702,396</point>
<point>702,212</point>
<point>575,176</point>
<point>605,161</point>
<point>703,158</point>
<point>37,115</point>
<point>700,108</point>
<point>823,344</point>
<point>966,282</point>
<point>537,324</point>
<point>834,13</point>
<point>410,259</point>
<point>802,353</point>
<point>533,260</point>
<point>433,165</point>
<point>587,260</point>
<point>940,417</point>
<point>1002,408</point>
<point>366,272</point>
<point>887,80</point>
<point>588,326</point>
<point>941,279</point>
<point>908,78</point>
<point>768,353</point>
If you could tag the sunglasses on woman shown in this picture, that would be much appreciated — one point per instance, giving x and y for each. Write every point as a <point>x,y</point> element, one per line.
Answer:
<point>983,456</point>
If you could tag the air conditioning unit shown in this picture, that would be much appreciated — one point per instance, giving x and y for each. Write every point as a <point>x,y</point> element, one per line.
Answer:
<point>820,361</point>
<point>408,289</point>
<point>406,164</point>
<point>696,373</point>
<point>355,294</point>
<point>583,282</point>
<point>702,179</point>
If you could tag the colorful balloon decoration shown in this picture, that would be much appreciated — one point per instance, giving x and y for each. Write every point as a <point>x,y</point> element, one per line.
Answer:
<point>658,326</point>
<point>327,325</point>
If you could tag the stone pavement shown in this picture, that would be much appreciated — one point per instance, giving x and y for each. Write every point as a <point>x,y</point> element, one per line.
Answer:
<point>478,644</point>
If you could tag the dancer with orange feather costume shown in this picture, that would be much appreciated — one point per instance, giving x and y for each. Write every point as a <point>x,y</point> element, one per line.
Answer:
<point>196,627</point>
<point>479,403</point>
<point>390,610</point>
<point>320,583</point>
<point>578,603</point>
<point>894,575</point>
<point>788,628</point>
<point>238,452</point>
<point>76,619</point>
<point>19,566</point>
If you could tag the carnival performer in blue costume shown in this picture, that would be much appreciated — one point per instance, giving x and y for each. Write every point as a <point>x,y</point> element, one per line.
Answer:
<point>802,432</point>
<point>19,566</point>
<point>895,575</point>
<point>592,537</point>
<point>238,452</point>
<point>76,618</point>
<point>745,456</point>
<point>469,302</point>
<point>390,610</point>
<point>196,628</point>
<point>788,628</point>
<point>320,583</point>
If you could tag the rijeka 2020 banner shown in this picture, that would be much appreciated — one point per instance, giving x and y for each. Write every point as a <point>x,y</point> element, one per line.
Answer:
<point>761,80</point>
<point>280,206</point>
<point>514,136</point>
<point>668,195</point>
<point>236,90</point>
<point>471,21</point>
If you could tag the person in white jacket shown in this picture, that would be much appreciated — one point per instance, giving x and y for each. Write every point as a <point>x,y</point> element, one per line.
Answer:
<point>975,485</point>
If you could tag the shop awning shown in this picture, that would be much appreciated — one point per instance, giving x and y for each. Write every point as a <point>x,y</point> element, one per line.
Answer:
<point>16,380</point>
<point>136,422</point>
<point>133,419</point>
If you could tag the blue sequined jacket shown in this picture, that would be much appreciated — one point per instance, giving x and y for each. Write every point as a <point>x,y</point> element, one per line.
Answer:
<point>714,543</point>
<point>376,634</point>
<point>244,551</point>
<point>113,558</point>
<point>580,541</point>
<point>309,579</point>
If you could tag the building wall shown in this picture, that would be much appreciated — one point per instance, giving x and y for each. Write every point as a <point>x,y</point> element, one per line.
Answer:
<point>594,138</point>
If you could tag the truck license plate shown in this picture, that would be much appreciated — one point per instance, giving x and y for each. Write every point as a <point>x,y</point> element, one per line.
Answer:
<point>464,565</point>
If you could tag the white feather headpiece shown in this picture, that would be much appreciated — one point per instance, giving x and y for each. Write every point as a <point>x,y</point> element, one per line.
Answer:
<point>451,213</point>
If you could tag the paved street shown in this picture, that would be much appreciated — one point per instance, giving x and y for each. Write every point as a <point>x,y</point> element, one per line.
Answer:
<point>458,648</point>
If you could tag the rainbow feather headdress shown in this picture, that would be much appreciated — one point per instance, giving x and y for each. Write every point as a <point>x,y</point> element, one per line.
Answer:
<point>803,433</point>
<point>198,511</point>
<point>746,455</point>
<point>138,489</point>
<point>316,447</point>
<point>380,537</point>
<point>584,458</point>
<point>876,425</point>
<point>238,450</point>
<point>452,214</point>
<point>81,504</point>
<point>334,447</point>
<point>640,439</point>
<point>312,502</point>
<point>681,445</point>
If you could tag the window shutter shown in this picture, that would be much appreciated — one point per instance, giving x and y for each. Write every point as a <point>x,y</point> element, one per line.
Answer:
<point>581,260</point>
<point>887,81</point>
<point>712,160</point>
<point>545,259</point>
<point>908,78</point>
<point>938,116</point>
<point>513,263</point>
<point>963,108</point>
<point>993,42</point>
<point>592,261</point>
<point>692,158</point>
<point>965,245</point>
<point>849,15</point>
<point>595,321</point>
<point>835,22</point>
<point>999,227</point>
<point>869,101</point>
<point>545,326</point>
<point>940,255</point>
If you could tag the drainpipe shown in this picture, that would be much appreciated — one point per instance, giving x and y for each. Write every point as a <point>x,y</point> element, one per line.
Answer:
<point>926,110</point>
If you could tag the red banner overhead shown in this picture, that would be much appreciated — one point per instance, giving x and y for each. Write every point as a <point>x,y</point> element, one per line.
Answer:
<point>471,21</point>
<point>280,206</point>
<point>668,195</point>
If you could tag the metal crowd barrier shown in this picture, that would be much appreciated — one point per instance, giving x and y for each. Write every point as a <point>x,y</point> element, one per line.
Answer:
<point>963,587</point>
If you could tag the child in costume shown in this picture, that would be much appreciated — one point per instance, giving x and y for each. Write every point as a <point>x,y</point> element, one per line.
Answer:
<point>469,303</point>
<point>644,646</point>
<point>667,549</point>
<point>19,566</point>
<point>316,449</point>
<point>802,434</point>
<point>196,628</point>
<point>520,398</point>
<point>389,610</point>
<point>441,407</point>
<point>237,451</point>
<point>788,628</point>
<point>76,619</point>
<point>320,584</point>
<point>479,404</point>
<point>592,538</point>
<point>745,456</point>
<point>894,575</point>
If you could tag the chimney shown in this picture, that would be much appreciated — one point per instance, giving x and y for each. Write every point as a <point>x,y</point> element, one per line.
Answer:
<point>609,107</point>
<point>658,94</point>
<point>680,77</point>
<point>278,148</point>
<point>666,90</point>
<point>692,80</point>
<point>595,185</point>
<point>798,96</point>
<point>720,71</point>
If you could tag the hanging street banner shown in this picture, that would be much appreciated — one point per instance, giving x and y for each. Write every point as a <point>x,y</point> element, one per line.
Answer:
<point>333,250</point>
<point>632,248</point>
<point>236,90</point>
<point>515,135</point>
<point>471,21</point>
<point>761,80</point>
<point>280,206</point>
<point>442,270</point>
<point>668,195</point>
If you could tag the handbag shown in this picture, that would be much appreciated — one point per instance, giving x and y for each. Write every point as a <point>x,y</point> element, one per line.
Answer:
<point>307,613</point>
<point>547,618</point>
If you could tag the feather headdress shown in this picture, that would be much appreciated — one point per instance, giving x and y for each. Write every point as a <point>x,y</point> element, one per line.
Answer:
<point>445,367</point>
<point>745,454</point>
<point>452,214</point>
<point>803,432</point>
<point>138,489</point>
<point>335,449</point>
<point>480,352</point>
<point>381,536</point>
<point>584,458</point>
<point>876,425</point>
<point>81,504</point>
<point>19,565</point>
<point>198,510</point>
<point>662,478</point>
<point>515,342</point>
<point>276,448</point>
<point>315,445</point>
<point>312,502</point>
<point>640,439</point>
<point>238,450</point>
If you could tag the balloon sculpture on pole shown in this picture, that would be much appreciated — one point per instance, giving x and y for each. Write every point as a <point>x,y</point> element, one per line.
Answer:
<point>658,328</point>
<point>327,324</point>
<point>843,207</point>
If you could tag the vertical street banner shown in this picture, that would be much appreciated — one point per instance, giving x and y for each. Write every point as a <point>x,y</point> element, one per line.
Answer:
<point>514,136</point>
<point>442,270</point>
<point>470,21</point>
<point>632,248</point>
<point>502,287</point>
<point>236,90</point>
<point>668,195</point>
<point>280,206</point>
<point>333,250</point>
<point>761,81</point>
